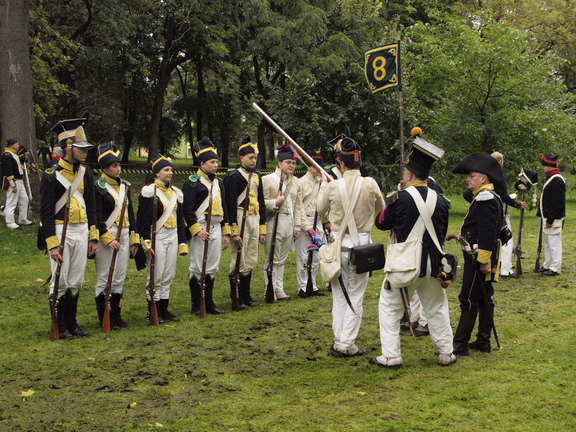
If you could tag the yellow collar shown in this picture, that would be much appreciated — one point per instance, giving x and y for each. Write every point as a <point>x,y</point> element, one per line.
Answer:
<point>416,183</point>
<point>489,186</point>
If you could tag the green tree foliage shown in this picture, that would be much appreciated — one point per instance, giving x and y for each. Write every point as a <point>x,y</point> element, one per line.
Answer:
<point>477,85</point>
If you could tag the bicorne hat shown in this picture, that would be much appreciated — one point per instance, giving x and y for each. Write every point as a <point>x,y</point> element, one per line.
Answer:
<point>485,164</point>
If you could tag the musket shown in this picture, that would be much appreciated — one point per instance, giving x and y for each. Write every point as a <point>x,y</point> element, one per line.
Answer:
<point>106,316</point>
<point>151,290</point>
<point>293,144</point>
<point>518,249</point>
<point>54,330</point>
<point>236,273</point>
<point>473,254</point>
<point>28,189</point>
<point>270,284</point>
<point>310,281</point>
<point>202,313</point>
<point>538,248</point>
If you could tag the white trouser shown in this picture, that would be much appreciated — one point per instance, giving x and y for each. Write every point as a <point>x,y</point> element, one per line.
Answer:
<point>16,199</point>
<point>506,252</point>
<point>74,258</point>
<point>196,251</point>
<point>103,263</point>
<point>165,265</point>
<point>283,245</point>
<point>250,244</point>
<point>553,251</point>
<point>435,304</point>
<point>417,313</point>
<point>302,255</point>
<point>346,323</point>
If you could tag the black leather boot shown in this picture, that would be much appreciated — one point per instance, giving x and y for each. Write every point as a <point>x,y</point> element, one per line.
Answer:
<point>211,308</point>
<point>166,315</point>
<point>195,294</point>
<point>63,332</point>
<point>482,342</point>
<point>100,305</point>
<point>463,332</point>
<point>115,312</point>
<point>245,289</point>
<point>71,311</point>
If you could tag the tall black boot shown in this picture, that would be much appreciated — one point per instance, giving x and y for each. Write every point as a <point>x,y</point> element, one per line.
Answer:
<point>245,289</point>
<point>63,332</point>
<point>160,320</point>
<point>241,305</point>
<point>195,294</point>
<point>71,311</point>
<point>482,342</point>
<point>211,308</point>
<point>463,332</point>
<point>100,305</point>
<point>115,312</point>
<point>166,315</point>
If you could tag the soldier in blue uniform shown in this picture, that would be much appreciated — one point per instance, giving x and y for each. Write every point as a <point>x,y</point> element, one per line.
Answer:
<point>170,233</point>
<point>69,174</point>
<point>199,190</point>
<point>401,216</point>
<point>242,180</point>
<point>111,193</point>
<point>481,230</point>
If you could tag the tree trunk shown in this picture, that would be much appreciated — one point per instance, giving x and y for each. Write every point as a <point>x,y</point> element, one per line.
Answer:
<point>16,107</point>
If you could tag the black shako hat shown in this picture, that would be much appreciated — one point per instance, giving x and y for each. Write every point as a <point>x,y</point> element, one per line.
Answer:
<point>526,179</point>
<point>71,132</point>
<point>350,150</point>
<point>285,152</point>
<point>107,154</point>
<point>549,159</point>
<point>485,164</point>
<point>247,147</point>
<point>158,163</point>
<point>205,150</point>
<point>421,157</point>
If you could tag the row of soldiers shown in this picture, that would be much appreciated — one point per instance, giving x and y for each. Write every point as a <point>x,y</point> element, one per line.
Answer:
<point>81,216</point>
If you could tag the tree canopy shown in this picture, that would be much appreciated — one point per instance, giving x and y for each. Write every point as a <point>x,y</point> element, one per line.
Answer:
<point>478,76</point>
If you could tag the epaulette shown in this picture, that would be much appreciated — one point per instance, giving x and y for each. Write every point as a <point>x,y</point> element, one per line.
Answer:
<point>148,191</point>
<point>101,182</point>
<point>231,172</point>
<point>391,198</point>
<point>50,170</point>
<point>448,202</point>
<point>126,182</point>
<point>484,195</point>
<point>193,180</point>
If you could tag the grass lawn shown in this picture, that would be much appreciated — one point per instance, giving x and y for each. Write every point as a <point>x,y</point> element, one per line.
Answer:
<point>270,368</point>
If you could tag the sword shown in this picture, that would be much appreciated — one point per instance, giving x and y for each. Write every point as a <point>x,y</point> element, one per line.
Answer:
<point>345,292</point>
